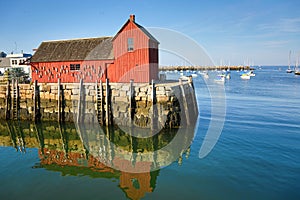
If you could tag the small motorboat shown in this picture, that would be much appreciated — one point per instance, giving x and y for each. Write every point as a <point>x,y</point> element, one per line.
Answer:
<point>245,76</point>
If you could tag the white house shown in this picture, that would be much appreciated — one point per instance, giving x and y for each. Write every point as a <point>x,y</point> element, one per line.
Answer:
<point>15,61</point>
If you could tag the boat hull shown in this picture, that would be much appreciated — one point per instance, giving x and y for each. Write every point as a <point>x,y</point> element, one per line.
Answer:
<point>245,77</point>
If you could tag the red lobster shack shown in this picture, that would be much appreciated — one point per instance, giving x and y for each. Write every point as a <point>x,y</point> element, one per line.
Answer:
<point>132,54</point>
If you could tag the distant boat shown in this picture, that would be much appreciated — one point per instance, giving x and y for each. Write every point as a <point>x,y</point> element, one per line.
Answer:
<point>297,70</point>
<point>220,78</point>
<point>204,74</point>
<point>184,77</point>
<point>194,75</point>
<point>251,73</point>
<point>245,76</point>
<point>228,76</point>
<point>289,70</point>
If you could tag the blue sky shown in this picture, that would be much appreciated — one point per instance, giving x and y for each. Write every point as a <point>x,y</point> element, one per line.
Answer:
<point>235,31</point>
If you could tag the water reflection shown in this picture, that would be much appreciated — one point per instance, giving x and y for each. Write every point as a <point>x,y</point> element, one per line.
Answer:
<point>70,151</point>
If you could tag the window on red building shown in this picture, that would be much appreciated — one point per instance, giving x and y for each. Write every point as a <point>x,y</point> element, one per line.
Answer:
<point>74,66</point>
<point>130,45</point>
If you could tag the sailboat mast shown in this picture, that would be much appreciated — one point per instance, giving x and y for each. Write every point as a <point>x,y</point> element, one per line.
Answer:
<point>290,60</point>
<point>297,62</point>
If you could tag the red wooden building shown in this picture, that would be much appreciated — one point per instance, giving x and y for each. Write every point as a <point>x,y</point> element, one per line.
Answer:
<point>131,54</point>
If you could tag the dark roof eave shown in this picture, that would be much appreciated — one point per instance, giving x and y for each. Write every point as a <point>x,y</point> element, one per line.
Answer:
<point>149,35</point>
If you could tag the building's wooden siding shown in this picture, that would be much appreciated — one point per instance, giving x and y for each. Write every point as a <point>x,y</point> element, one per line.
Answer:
<point>136,64</point>
<point>49,72</point>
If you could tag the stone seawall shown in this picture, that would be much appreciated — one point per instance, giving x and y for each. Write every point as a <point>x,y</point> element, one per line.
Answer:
<point>169,104</point>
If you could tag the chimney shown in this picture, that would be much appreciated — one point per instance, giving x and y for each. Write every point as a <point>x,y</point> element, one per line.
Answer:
<point>132,18</point>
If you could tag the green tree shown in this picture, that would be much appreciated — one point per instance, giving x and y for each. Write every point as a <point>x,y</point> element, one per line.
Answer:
<point>17,74</point>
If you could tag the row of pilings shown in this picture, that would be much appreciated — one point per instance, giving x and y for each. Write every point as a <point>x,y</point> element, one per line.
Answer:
<point>144,105</point>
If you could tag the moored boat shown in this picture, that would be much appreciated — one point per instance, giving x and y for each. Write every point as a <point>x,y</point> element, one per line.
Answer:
<point>251,73</point>
<point>206,75</point>
<point>297,70</point>
<point>289,70</point>
<point>245,76</point>
<point>220,78</point>
<point>228,76</point>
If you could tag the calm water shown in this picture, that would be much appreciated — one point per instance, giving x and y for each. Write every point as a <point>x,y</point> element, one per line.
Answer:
<point>256,157</point>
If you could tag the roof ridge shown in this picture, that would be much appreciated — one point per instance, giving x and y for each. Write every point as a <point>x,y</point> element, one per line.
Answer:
<point>62,40</point>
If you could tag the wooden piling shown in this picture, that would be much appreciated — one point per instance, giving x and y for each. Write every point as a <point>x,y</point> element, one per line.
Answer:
<point>79,100</point>
<point>97,100</point>
<point>131,107</point>
<point>154,106</point>
<point>35,103</point>
<point>8,101</point>
<point>193,96</point>
<point>184,102</point>
<point>17,101</point>
<point>107,103</point>
<point>58,101</point>
<point>101,103</point>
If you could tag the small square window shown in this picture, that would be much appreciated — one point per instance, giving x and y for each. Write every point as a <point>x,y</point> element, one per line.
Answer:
<point>130,45</point>
<point>74,67</point>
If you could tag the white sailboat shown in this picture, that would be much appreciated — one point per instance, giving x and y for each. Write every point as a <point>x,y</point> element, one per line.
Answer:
<point>289,70</point>
<point>297,70</point>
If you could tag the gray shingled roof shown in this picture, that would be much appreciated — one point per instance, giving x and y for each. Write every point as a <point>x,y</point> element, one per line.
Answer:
<point>72,50</point>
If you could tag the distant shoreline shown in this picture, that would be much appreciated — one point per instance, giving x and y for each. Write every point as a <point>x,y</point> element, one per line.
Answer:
<point>179,68</point>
